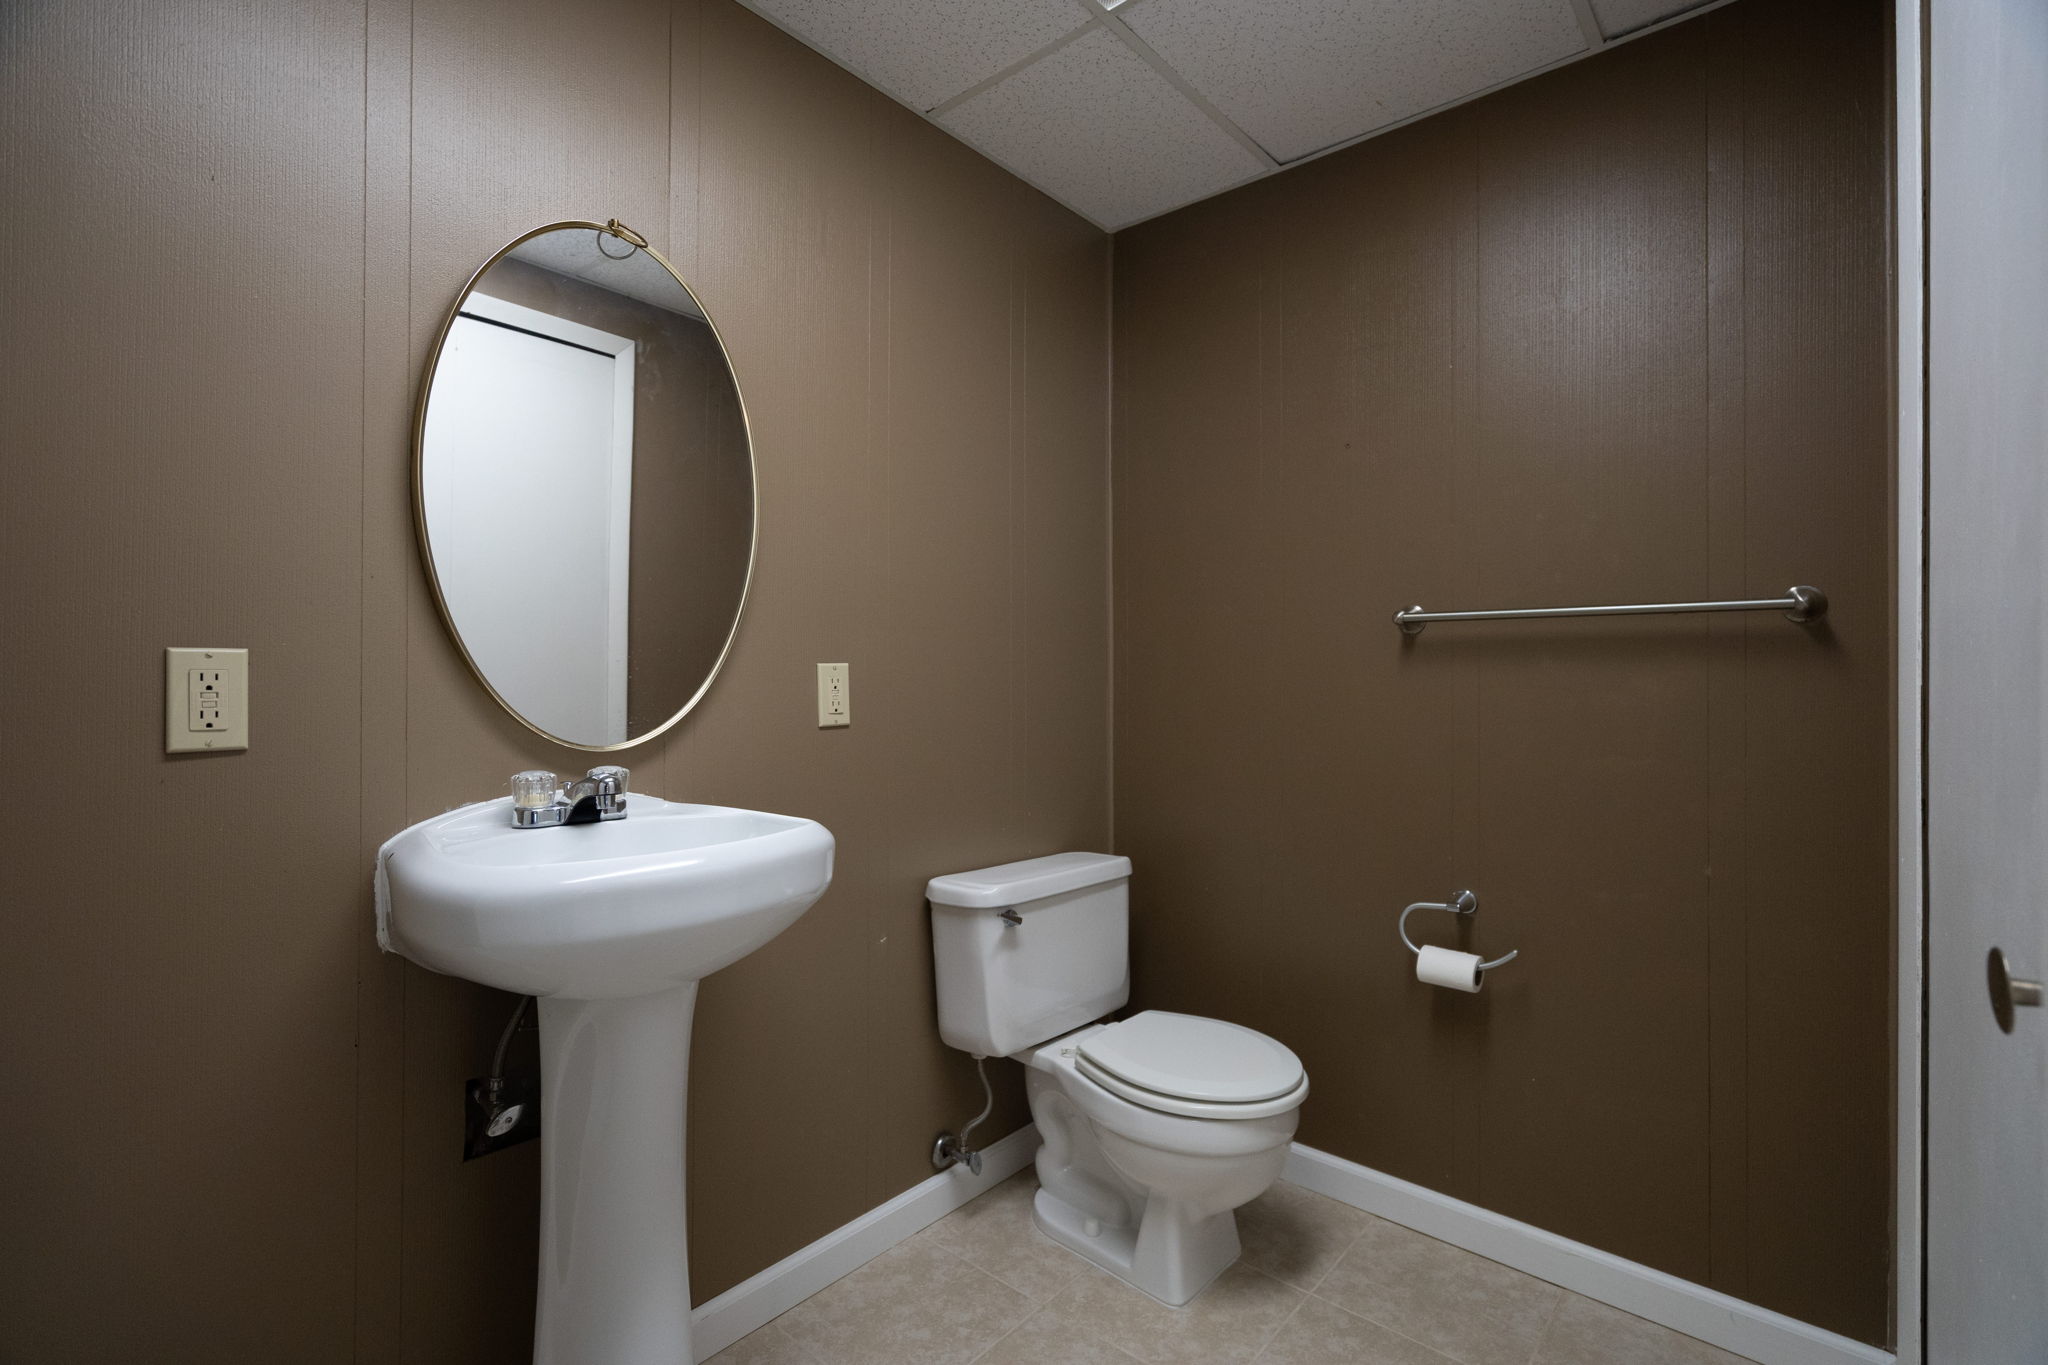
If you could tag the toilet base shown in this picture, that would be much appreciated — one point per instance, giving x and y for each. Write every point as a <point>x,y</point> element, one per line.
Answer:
<point>1150,1197</point>
<point>1169,1255</point>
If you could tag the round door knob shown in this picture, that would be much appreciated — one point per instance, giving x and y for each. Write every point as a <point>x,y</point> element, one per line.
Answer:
<point>2008,991</point>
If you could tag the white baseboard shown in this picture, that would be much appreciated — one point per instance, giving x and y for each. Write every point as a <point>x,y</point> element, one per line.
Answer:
<point>755,1302</point>
<point>1678,1304</point>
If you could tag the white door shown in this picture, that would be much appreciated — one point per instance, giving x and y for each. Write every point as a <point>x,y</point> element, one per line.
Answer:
<point>528,502</point>
<point>1987,737</point>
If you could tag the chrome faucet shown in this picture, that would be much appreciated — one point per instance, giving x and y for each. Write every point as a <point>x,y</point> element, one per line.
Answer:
<point>540,800</point>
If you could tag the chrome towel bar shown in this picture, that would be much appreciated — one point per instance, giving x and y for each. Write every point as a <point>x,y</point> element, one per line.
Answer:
<point>1802,604</point>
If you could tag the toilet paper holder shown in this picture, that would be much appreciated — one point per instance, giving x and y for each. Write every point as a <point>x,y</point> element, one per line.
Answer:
<point>1461,903</point>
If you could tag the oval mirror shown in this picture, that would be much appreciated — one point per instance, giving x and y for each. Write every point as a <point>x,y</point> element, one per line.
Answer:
<point>583,483</point>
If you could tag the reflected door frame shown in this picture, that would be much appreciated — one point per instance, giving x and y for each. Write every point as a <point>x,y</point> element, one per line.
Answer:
<point>619,557</point>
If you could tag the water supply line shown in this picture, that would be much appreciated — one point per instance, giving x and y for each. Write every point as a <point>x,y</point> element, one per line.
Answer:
<point>494,1084</point>
<point>505,1038</point>
<point>950,1151</point>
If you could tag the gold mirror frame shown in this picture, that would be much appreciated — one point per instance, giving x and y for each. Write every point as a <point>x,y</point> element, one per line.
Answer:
<point>419,501</point>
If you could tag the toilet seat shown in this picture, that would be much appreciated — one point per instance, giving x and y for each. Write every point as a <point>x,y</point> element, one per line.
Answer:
<point>1195,1067</point>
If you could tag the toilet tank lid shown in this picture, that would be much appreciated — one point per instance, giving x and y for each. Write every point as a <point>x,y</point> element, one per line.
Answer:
<point>993,888</point>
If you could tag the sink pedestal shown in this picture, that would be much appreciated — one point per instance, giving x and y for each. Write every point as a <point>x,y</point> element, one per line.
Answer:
<point>614,1265</point>
<point>610,926</point>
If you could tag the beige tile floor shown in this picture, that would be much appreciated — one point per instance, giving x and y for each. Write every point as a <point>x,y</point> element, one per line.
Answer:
<point>1320,1283</point>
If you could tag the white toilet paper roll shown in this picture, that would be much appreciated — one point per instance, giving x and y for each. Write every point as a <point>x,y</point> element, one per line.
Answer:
<point>1442,967</point>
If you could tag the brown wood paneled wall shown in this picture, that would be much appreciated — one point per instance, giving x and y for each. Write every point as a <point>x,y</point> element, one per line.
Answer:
<point>232,1128</point>
<point>1614,334</point>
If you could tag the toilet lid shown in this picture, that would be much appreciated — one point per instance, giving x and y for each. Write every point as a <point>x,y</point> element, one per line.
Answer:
<point>1189,1057</point>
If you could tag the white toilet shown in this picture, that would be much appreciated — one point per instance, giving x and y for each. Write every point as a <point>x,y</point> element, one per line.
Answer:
<point>1155,1128</point>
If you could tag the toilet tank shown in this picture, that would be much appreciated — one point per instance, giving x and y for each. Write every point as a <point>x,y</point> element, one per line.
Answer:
<point>1004,986</point>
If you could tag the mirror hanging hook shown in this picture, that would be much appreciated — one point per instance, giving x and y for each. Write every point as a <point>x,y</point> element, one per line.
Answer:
<point>624,234</point>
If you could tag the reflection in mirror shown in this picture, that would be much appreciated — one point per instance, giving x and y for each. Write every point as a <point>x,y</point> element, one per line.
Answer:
<point>586,486</point>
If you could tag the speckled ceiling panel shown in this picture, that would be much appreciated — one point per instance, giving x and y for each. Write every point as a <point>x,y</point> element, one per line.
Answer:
<point>1093,125</point>
<point>925,51</point>
<point>1300,75</point>
<point>1625,16</point>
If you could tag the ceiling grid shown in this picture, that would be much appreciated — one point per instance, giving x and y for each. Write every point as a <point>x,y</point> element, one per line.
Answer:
<point>1126,109</point>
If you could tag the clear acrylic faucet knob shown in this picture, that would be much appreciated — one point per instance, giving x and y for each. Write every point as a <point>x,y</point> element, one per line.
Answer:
<point>534,789</point>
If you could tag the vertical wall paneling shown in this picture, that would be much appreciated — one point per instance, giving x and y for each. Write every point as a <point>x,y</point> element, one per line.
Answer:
<point>1590,813</point>
<point>386,572</point>
<point>1727,644</point>
<point>521,114</point>
<point>1463,578</point>
<point>181,253</point>
<point>1819,724</point>
<point>783,246</point>
<point>1619,331</point>
<point>244,1121</point>
<point>1616,333</point>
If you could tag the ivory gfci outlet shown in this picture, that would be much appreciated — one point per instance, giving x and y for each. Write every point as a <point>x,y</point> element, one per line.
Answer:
<point>206,700</point>
<point>834,709</point>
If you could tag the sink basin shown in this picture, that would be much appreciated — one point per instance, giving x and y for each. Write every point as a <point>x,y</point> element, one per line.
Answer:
<point>610,925</point>
<point>624,907</point>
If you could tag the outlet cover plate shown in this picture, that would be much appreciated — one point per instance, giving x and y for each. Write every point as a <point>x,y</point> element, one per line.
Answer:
<point>835,703</point>
<point>206,700</point>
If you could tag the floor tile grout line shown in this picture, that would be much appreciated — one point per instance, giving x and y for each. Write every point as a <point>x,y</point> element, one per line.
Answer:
<point>1034,1305</point>
<point>1054,1293</point>
<point>1301,1298</point>
<point>1389,1327</point>
<point>1038,1310</point>
<point>1543,1334</point>
<point>982,1354</point>
<point>997,1281</point>
<point>981,1264</point>
<point>1338,1259</point>
<point>1335,1260</point>
<point>1549,1324</point>
<point>1079,1266</point>
<point>947,1252</point>
<point>803,1348</point>
<point>968,1257</point>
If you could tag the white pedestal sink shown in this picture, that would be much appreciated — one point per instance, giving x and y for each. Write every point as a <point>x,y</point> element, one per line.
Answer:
<point>611,925</point>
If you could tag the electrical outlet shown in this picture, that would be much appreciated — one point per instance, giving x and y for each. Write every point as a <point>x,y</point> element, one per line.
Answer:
<point>834,707</point>
<point>206,700</point>
<point>202,699</point>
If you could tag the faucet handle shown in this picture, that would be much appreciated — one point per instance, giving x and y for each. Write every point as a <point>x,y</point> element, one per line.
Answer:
<point>534,789</point>
<point>607,788</point>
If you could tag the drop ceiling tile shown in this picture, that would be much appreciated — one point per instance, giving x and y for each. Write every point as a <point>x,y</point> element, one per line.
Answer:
<point>1625,16</point>
<point>1093,125</point>
<point>924,51</point>
<point>1301,75</point>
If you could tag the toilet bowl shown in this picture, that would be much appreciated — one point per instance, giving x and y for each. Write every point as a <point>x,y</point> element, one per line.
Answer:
<point>1146,1194</point>
<point>1155,1128</point>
